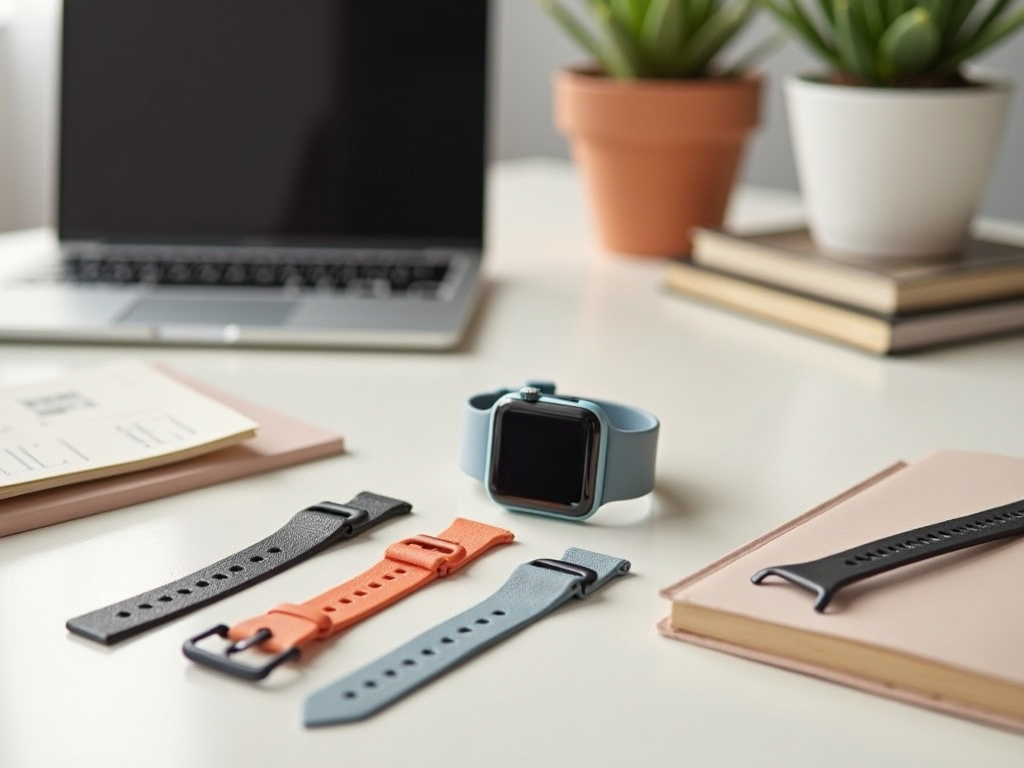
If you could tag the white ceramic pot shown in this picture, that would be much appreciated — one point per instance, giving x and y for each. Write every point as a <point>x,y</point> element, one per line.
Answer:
<point>893,172</point>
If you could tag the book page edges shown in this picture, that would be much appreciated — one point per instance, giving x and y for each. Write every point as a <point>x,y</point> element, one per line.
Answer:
<point>1009,716</point>
<point>775,263</point>
<point>816,318</point>
<point>126,467</point>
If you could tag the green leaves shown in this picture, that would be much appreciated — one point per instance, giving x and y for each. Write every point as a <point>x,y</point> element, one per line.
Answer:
<point>897,42</point>
<point>658,38</point>
<point>909,46</point>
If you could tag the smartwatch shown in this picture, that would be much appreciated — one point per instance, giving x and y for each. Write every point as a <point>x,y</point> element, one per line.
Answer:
<point>548,454</point>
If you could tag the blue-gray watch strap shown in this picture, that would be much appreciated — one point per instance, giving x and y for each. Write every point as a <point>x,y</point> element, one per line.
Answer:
<point>476,425</point>
<point>632,445</point>
<point>533,590</point>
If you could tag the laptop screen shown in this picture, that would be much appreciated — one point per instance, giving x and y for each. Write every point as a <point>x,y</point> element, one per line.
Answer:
<point>352,122</point>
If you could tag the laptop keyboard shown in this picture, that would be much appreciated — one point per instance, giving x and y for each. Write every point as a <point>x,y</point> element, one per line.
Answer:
<point>360,272</point>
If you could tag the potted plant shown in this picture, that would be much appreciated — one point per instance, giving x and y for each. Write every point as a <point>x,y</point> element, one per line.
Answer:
<point>894,143</point>
<point>657,123</point>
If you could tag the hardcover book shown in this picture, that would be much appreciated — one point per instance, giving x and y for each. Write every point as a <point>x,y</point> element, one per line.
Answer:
<point>870,331</point>
<point>944,633</point>
<point>984,270</point>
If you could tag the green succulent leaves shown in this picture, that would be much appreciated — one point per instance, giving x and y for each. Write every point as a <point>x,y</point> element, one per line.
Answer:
<point>657,38</point>
<point>898,42</point>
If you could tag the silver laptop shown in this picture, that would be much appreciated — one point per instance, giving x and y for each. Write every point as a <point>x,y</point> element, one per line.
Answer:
<point>265,172</point>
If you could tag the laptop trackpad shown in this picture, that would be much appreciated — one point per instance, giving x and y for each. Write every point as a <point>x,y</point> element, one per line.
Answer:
<point>195,310</point>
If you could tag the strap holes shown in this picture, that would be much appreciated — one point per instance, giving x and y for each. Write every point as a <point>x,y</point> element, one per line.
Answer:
<point>235,568</point>
<point>184,591</point>
<point>256,558</point>
<point>219,576</point>
<point>408,662</point>
<point>388,577</point>
<point>360,593</point>
<point>400,570</point>
<point>348,695</point>
<point>390,673</point>
<point>447,640</point>
<point>370,684</point>
<point>329,609</point>
<point>428,651</point>
<point>145,606</point>
<point>202,583</point>
<point>274,550</point>
<point>375,585</point>
<point>345,600</point>
<point>464,630</point>
<point>122,614</point>
<point>497,613</point>
<point>165,598</point>
<point>482,621</point>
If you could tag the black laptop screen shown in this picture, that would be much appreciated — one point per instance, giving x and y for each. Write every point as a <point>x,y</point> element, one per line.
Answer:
<point>294,121</point>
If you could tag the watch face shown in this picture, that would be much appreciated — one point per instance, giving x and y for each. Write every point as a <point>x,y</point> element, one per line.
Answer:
<point>544,457</point>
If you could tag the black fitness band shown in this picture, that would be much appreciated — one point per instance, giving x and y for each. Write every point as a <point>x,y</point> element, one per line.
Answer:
<point>827,575</point>
<point>310,531</point>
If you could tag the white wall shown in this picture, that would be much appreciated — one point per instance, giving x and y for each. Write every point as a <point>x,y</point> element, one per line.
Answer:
<point>29,62</point>
<point>7,214</point>
<point>529,49</point>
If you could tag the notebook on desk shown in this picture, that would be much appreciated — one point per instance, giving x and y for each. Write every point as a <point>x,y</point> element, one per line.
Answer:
<point>265,172</point>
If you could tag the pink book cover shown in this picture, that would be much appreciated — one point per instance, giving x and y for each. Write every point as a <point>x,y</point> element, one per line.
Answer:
<point>961,611</point>
<point>281,441</point>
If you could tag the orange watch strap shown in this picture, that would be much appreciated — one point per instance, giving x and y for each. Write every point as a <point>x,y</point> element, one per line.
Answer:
<point>407,565</point>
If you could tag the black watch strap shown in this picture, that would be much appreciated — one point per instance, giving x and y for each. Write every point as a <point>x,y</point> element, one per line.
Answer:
<point>310,531</point>
<point>827,575</point>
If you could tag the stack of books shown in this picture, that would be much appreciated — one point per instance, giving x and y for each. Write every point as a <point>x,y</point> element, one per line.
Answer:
<point>873,305</point>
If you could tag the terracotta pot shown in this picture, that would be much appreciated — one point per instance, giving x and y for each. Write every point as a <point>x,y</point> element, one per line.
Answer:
<point>658,157</point>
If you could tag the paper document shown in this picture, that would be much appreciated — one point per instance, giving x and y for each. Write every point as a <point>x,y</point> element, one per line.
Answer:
<point>106,420</point>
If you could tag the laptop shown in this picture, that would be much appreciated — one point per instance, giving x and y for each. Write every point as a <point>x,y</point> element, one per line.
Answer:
<point>265,172</point>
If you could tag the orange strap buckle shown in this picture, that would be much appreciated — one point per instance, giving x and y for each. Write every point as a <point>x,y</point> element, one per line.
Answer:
<point>408,564</point>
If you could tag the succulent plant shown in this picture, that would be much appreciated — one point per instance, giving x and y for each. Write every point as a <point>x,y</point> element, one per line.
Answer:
<point>634,39</point>
<point>908,43</point>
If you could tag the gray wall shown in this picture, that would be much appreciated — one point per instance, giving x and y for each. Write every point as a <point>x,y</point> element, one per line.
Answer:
<point>531,47</point>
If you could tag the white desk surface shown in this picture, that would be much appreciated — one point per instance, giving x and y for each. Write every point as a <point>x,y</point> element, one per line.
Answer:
<point>758,425</point>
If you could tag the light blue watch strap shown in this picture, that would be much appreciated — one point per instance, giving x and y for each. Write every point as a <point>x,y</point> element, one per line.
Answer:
<point>533,590</point>
<point>632,443</point>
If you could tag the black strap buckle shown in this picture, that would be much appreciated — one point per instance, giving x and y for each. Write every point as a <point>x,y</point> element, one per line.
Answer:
<point>223,661</point>
<point>587,576</point>
<point>353,516</point>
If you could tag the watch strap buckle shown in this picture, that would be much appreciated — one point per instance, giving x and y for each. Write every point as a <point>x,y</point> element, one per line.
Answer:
<point>587,576</point>
<point>223,661</point>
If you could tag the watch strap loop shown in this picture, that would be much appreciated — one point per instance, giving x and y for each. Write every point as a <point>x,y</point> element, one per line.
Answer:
<point>429,553</point>
<point>317,618</point>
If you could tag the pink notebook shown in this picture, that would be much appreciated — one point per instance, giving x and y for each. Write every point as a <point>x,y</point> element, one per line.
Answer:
<point>280,442</point>
<point>945,633</point>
